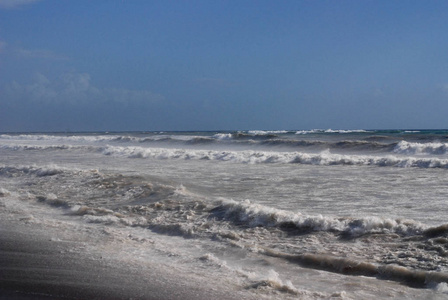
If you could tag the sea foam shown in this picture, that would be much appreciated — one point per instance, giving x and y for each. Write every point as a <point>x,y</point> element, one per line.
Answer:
<point>404,147</point>
<point>257,157</point>
<point>254,215</point>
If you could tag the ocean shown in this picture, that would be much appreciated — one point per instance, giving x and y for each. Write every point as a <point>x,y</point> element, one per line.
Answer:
<point>290,214</point>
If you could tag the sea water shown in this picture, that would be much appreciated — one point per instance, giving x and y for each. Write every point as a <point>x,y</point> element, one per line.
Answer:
<point>315,214</point>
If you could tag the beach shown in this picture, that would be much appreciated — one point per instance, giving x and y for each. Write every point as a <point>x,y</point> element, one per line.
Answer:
<point>39,261</point>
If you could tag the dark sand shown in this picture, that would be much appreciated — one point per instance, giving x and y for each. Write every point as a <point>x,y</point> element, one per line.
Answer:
<point>34,265</point>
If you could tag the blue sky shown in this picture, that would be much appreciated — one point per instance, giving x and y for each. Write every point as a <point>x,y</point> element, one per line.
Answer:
<point>231,65</point>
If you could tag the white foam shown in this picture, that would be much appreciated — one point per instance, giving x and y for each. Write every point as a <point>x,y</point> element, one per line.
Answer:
<point>222,136</point>
<point>259,215</point>
<point>272,280</point>
<point>309,131</point>
<point>256,157</point>
<point>48,170</point>
<point>404,147</point>
<point>266,132</point>
<point>73,138</point>
<point>345,131</point>
<point>330,131</point>
<point>107,219</point>
<point>440,288</point>
<point>4,192</point>
<point>212,259</point>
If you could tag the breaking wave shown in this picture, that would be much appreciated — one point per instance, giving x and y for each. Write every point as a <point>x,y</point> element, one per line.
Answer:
<point>31,170</point>
<point>314,131</point>
<point>59,138</point>
<point>404,147</point>
<point>267,132</point>
<point>353,267</point>
<point>41,147</point>
<point>255,215</point>
<point>257,157</point>
<point>270,140</point>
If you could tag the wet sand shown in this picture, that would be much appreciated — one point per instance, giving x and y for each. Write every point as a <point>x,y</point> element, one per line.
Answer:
<point>35,265</point>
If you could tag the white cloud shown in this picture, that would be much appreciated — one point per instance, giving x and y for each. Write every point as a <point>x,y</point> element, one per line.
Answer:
<point>15,3</point>
<point>75,88</point>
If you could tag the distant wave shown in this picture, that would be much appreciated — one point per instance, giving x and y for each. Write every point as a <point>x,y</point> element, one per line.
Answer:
<point>355,145</point>
<point>17,147</point>
<point>109,138</point>
<point>255,157</point>
<point>238,138</point>
<point>74,138</point>
<point>272,140</point>
<point>223,136</point>
<point>267,132</point>
<point>256,135</point>
<point>35,147</point>
<point>331,131</point>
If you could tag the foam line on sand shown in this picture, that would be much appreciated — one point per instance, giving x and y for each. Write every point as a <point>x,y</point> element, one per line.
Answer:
<point>35,265</point>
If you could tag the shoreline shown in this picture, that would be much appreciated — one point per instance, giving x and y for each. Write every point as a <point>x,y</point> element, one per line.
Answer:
<point>36,265</point>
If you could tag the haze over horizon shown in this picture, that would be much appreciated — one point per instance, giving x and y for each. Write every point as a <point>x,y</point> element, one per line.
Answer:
<point>222,65</point>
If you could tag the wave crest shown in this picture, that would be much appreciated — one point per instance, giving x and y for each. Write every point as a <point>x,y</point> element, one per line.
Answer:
<point>254,215</point>
<point>404,147</point>
<point>257,157</point>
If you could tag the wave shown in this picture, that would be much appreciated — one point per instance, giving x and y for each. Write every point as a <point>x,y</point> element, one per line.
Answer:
<point>221,139</point>
<point>134,201</point>
<point>140,197</point>
<point>74,138</point>
<point>314,131</point>
<point>257,157</point>
<point>192,140</point>
<point>267,132</point>
<point>272,280</point>
<point>404,147</point>
<point>254,215</point>
<point>240,135</point>
<point>354,267</point>
<point>41,147</point>
<point>34,147</point>
<point>381,154</point>
<point>280,138</point>
<point>31,170</point>
<point>406,234</point>
<point>351,145</point>
<point>93,138</point>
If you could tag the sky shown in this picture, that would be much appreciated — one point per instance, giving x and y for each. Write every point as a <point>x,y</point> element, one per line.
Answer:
<point>125,65</point>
